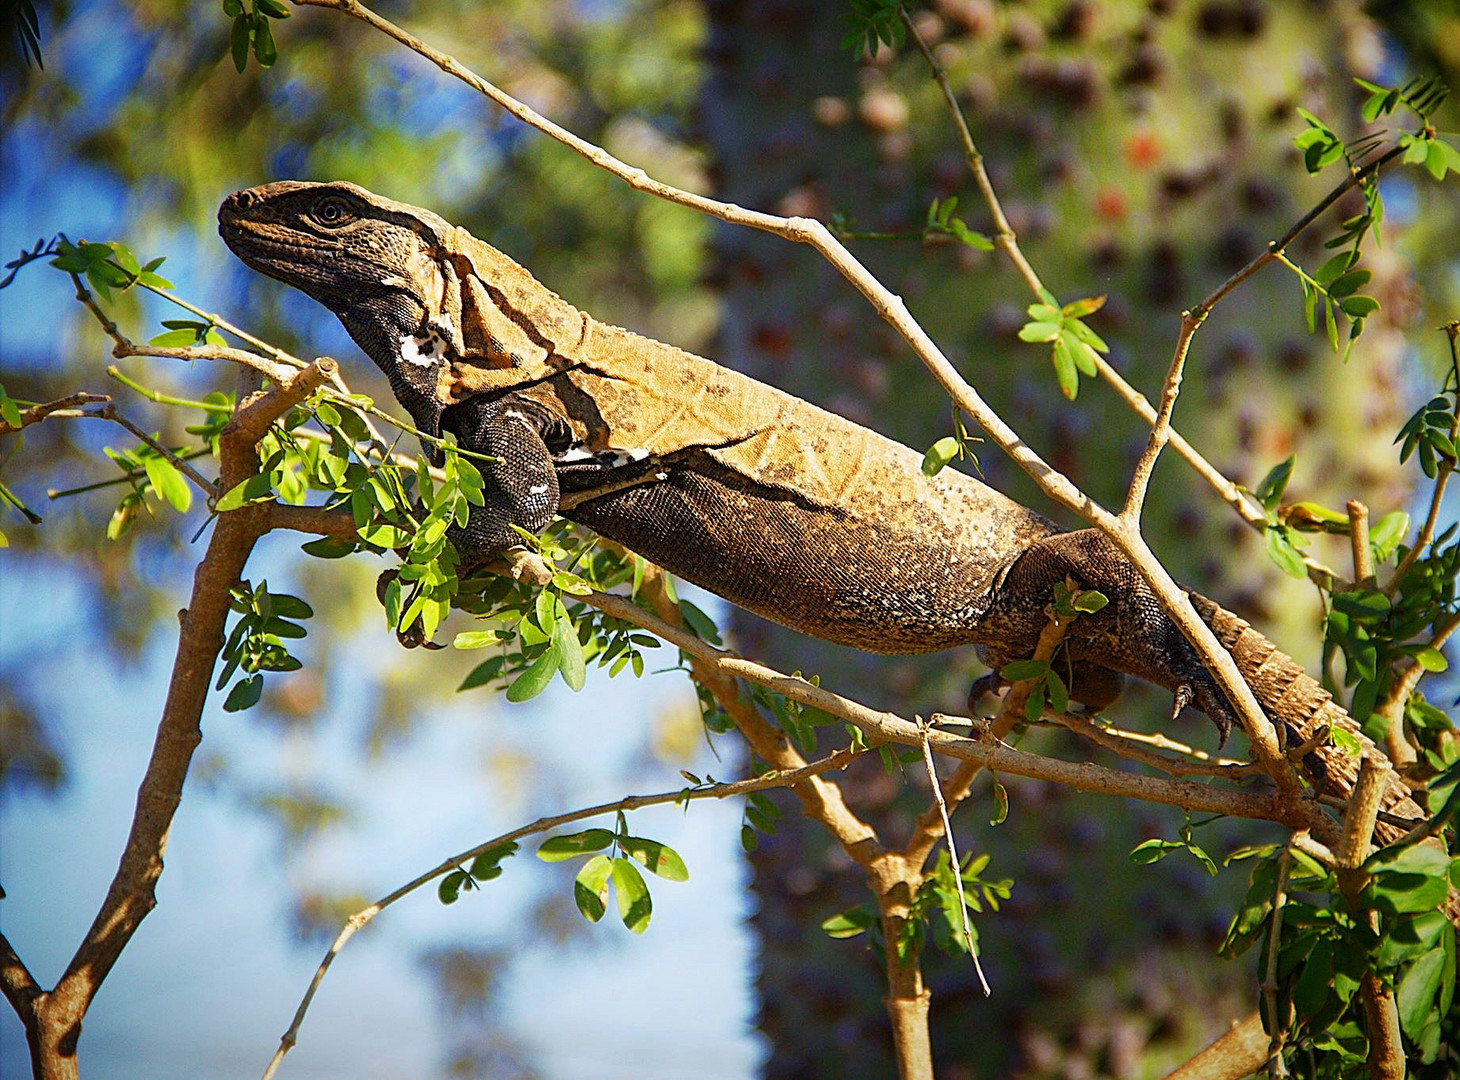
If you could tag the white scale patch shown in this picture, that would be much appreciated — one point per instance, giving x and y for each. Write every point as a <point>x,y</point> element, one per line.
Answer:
<point>423,350</point>
<point>609,459</point>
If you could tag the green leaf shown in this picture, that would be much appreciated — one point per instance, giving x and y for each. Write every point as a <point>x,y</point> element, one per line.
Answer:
<point>703,626</point>
<point>169,483</point>
<point>1059,697</point>
<point>272,8</point>
<point>1417,990</point>
<point>590,888</point>
<point>939,455</point>
<point>570,654</point>
<point>849,923</point>
<point>485,672</point>
<point>535,679</point>
<point>475,639</point>
<point>257,488</point>
<point>571,845</point>
<point>1436,160</point>
<point>245,694</point>
<point>1034,707</point>
<point>1152,851</point>
<point>1270,490</point>
<point>1019,670</point>
<point>1090,601</point>
<point>1284,552</point>
<point>264,50</point>
<point>327,547</point>
<point>1414,879</point>
<point>175,339</point>
<point>487,865</point>
<point>385,536</point>
<point>1349,282</point>
<point>1360,307</point>
<point>1039,331</point>
<point>1431,659</point>
<point>1001,805</point>
<point>634,905</point>
<point>655,857</point>
<point>1064,368</point>
<point>238,40</point>
<point>450,888</point>
<point>546,609</point>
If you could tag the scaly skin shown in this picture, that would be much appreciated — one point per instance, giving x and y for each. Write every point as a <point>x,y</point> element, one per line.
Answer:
<point>778,506</point>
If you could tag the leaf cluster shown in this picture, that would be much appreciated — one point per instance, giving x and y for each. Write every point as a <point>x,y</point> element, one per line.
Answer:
<point>935,910</point>
<point>256,643</point>
<point>591,886</point>
<point>1324,950</point>
<point>251,32</point>
<point>1074,346</point>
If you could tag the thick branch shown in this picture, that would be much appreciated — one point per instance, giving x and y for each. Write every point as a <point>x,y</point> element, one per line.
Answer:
<point>132,893</point>
<point>17,983</point>
<point>252,420</point>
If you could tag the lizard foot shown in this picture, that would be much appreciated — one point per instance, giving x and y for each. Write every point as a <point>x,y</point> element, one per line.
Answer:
<point>989,683</point>
<point>413,638</point>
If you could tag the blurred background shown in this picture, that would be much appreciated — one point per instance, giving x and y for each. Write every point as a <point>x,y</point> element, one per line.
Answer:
<point>1143,150</point>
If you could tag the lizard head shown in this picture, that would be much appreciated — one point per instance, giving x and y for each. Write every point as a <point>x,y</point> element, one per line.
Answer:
<point>337,242</point>
<point>444,315</point>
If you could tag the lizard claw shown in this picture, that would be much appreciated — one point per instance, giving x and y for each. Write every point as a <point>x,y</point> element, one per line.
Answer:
<point>990,683</point>
<point>413,638</point>
<point>1184,694</point>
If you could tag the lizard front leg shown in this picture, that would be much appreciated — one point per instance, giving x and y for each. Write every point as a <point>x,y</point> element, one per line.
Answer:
<point>521,487</point>
<point>521,480</point>
<point>1132,634</point>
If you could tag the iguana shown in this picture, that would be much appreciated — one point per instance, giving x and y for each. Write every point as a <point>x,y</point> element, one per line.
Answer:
<point>790,511</point>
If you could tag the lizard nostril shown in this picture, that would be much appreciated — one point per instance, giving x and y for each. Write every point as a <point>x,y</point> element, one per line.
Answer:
<point>242,200</point>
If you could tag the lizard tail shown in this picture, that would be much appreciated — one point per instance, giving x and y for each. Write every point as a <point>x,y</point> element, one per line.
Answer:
<point>1292,698</point>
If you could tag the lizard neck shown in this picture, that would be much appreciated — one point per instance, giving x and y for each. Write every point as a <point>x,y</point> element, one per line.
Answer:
<point>391,329</point>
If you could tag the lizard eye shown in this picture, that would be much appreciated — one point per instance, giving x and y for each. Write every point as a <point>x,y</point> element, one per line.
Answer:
<point>332,211</point>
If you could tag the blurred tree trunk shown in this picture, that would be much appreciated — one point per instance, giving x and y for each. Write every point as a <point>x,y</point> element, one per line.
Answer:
<point>1142,150</point>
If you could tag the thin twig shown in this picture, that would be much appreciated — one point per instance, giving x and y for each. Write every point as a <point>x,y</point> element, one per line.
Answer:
<point>1121,743</point>
<point>838,760</point>
<point>1006,241</point>
<point>160,398</point>
<point>1275,1066</point>
<point>1442,475</point>
<point>925,832</point>
<point>1392,706</point>
<point>1386,1054</point>
<point>1358,539</point>
<point>205,485</point>
<point>127,477</point>
<point>957,868</point>
<point>61,407</point>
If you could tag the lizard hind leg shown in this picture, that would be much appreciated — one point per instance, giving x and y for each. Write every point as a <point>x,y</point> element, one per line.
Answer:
<point>1132,634</point>
<point>1092,685</point>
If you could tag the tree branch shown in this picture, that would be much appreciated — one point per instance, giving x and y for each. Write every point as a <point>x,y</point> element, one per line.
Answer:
<point>203,484</point>
<point>838,760</point>
<point>66,406</point>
